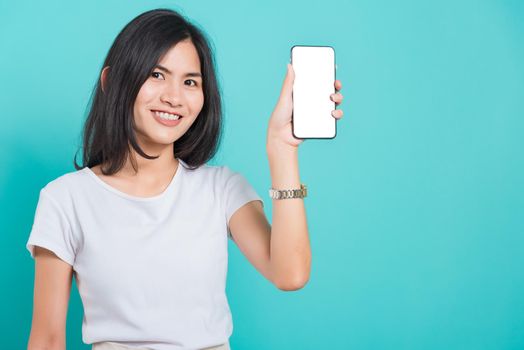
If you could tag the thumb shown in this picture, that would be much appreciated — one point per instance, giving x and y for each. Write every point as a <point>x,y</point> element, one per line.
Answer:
<point>287,87</point>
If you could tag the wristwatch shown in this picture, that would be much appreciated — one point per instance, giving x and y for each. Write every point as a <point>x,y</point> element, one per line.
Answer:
<point>288,194</point>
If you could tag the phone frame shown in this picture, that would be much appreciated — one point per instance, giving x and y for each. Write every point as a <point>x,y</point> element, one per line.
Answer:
<point>334,91</point>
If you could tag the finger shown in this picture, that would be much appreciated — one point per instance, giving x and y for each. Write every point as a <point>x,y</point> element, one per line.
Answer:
<point>338,85</point>
<point>337,98</point>
<point>337,113</point>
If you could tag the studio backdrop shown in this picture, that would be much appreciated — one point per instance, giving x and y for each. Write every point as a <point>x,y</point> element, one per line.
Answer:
<point>415,209</point>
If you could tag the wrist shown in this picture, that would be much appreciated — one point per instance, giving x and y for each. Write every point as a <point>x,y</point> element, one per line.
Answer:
<point>275,147</point>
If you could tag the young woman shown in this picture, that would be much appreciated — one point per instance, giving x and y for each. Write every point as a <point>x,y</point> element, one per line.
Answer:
<point>143,223</point>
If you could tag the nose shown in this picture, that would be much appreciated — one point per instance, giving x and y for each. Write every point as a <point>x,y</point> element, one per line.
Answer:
<point>171,96</point>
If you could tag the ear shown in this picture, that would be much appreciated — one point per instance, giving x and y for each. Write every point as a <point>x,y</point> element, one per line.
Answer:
<point>103,76</point>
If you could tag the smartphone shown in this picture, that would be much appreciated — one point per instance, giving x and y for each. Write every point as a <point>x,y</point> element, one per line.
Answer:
<point>315,75</point>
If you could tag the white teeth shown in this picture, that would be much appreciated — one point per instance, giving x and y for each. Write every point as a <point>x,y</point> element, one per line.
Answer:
<point>167,116</point>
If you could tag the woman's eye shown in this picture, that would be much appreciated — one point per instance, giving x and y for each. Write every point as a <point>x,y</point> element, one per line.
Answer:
<point>191,80</point>
<point>157,75</point>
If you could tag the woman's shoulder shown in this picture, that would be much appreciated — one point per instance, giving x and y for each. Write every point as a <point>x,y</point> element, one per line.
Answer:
<point>220,171</point>
<point>207,168</point>
<point>65,184</point>
<point>218,174</point>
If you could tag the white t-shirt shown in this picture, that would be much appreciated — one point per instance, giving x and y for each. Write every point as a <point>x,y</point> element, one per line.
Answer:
<point>151,272</point>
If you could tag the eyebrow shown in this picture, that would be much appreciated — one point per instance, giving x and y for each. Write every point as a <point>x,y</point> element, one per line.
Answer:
<point>189,74</point>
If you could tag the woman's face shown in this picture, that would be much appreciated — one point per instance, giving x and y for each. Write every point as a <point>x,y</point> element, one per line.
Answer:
<point>174,88</point>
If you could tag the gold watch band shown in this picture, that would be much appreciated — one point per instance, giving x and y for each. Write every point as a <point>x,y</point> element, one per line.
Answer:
<point>288,194</point>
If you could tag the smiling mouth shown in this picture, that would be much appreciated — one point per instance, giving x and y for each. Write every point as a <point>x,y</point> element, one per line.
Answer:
<point>167,116</point>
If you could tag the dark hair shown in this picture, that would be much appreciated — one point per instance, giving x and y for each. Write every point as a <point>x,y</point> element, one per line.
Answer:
<point>109,128</point>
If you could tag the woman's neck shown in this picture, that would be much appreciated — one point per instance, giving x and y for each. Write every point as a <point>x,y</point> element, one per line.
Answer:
<point>165,164</point>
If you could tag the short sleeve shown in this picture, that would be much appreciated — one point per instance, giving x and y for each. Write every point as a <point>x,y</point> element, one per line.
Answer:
<point>51,230</point>
<point>238,192</point>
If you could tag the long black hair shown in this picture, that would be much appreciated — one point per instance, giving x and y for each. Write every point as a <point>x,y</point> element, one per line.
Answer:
<point>109,128</point>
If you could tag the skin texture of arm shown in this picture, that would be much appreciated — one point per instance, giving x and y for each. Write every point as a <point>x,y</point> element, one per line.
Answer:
<point>52,288</point>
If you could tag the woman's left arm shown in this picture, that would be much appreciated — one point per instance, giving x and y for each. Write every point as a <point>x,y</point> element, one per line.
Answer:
<point>282,253</point>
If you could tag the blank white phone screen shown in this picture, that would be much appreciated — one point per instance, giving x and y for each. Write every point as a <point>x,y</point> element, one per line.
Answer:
<point>314,68</point>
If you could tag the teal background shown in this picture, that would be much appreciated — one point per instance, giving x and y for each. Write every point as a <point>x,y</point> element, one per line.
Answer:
<point>415,209</point>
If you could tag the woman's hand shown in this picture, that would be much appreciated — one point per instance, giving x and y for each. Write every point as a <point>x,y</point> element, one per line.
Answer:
<point>279,130</point>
